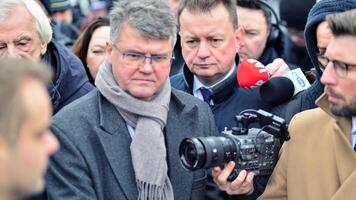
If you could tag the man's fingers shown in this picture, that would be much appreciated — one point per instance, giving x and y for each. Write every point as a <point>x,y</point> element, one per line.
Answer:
<point>216,172</point>
<point>222,178</point>
<point>237,183</point>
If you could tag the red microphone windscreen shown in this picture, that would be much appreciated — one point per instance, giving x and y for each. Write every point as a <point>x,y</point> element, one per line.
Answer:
<point>251,73</point>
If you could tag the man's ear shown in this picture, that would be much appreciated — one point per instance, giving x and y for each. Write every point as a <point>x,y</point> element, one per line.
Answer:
<point>43,48</point>
<point>239,38</point>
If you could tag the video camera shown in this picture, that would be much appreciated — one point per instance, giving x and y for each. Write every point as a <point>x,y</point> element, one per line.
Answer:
<point>252,149</point>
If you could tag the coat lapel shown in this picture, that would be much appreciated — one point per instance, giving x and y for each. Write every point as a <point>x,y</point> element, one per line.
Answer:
<point>345,159</point>
<point>115,139</point>
<point>175,132</point>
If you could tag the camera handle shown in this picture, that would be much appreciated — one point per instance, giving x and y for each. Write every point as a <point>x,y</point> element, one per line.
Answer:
<point>273,124</point>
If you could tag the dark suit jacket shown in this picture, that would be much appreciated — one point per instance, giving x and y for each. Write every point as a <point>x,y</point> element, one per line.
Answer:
<point>94,161</point>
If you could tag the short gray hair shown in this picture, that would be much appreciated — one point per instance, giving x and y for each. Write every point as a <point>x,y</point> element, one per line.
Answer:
<point>42,23</point>
<point>153,19</point>
<point>205,6</point>
<point>12,110</point>
<point>343,23</point>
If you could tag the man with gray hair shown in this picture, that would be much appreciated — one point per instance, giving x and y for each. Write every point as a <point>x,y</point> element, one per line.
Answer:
<point>121,141</point>
<point>25,115</point>
<point>26,33</point>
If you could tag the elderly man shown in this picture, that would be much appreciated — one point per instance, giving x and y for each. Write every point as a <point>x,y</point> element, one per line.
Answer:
<point>121,141</point>
<point>319,161</point>
<point>26,32</point>
<point>25,115</point>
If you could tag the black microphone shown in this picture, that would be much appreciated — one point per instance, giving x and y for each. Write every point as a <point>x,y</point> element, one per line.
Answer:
<point>277,90</point>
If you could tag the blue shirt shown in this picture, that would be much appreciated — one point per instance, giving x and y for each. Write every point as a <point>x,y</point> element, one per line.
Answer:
<point>131,130</point>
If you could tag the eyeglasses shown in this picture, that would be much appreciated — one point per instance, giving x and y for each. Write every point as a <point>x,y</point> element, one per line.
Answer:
<point>341,68</point>
<point>137,59</point>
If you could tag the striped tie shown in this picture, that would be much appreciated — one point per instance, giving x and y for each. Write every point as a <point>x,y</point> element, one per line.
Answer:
<point>206,93</point>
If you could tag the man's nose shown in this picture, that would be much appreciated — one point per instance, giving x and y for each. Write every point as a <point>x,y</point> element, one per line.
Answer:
<point>11,52</point>
<point>203,50</point>
<point>329,76</point>
<point>147,65</point>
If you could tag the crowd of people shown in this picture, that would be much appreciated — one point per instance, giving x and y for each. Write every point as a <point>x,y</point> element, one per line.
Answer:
<point>96,97</point>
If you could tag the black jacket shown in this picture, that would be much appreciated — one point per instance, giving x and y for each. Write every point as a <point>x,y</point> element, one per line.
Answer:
<point>275,49</point>
<point>229,100</point>
<point>70,80</point>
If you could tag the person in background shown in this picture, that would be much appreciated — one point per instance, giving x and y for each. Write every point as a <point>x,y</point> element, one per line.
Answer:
<point>319,161</point>
<point>59,10</point>
<point>264,39</point>
<point>90,46</point>
<point>317,36</point>
<point>121,141</point>
<point>294,14</point>
<point>96,9</point>
<point>26,32</point>
<point>60,13</point>
<point>178,61</point>
<point>25,116</point>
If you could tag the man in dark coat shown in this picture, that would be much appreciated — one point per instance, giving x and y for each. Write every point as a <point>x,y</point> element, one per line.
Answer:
<point>26,33</point>
<point>210,40</point>
<point>70,81</point>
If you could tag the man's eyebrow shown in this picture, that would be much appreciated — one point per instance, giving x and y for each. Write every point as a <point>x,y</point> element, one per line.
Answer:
<point>27,38</point>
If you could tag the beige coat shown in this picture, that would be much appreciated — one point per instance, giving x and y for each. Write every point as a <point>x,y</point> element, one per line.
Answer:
<point>318,163</point>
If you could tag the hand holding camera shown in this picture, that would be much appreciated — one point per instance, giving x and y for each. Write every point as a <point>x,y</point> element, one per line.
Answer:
<point>253,150</point>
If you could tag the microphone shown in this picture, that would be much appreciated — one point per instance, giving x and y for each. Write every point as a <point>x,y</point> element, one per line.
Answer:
<point>281,89</point>
<point>299,80</point>
<point>277,90</point>
<point>251,73</point>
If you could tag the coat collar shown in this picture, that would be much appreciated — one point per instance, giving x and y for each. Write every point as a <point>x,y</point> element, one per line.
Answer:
<point>344,154</point>
<point>344,123</point>
<point>222,91</point>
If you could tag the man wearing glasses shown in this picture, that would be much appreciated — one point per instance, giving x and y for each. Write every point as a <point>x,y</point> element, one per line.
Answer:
<point>121,141</point>
<point>319,161</point>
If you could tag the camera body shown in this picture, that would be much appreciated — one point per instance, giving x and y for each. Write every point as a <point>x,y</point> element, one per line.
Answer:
<point>252,149</point>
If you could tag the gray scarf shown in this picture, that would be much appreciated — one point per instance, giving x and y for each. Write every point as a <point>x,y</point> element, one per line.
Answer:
<point>148,150</point>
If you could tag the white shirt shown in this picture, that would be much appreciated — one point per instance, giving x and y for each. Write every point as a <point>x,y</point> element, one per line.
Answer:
<point>197,84</point>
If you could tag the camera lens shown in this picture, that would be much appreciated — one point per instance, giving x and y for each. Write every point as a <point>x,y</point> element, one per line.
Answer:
<point>206,152</point>
<point>192,153</point>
